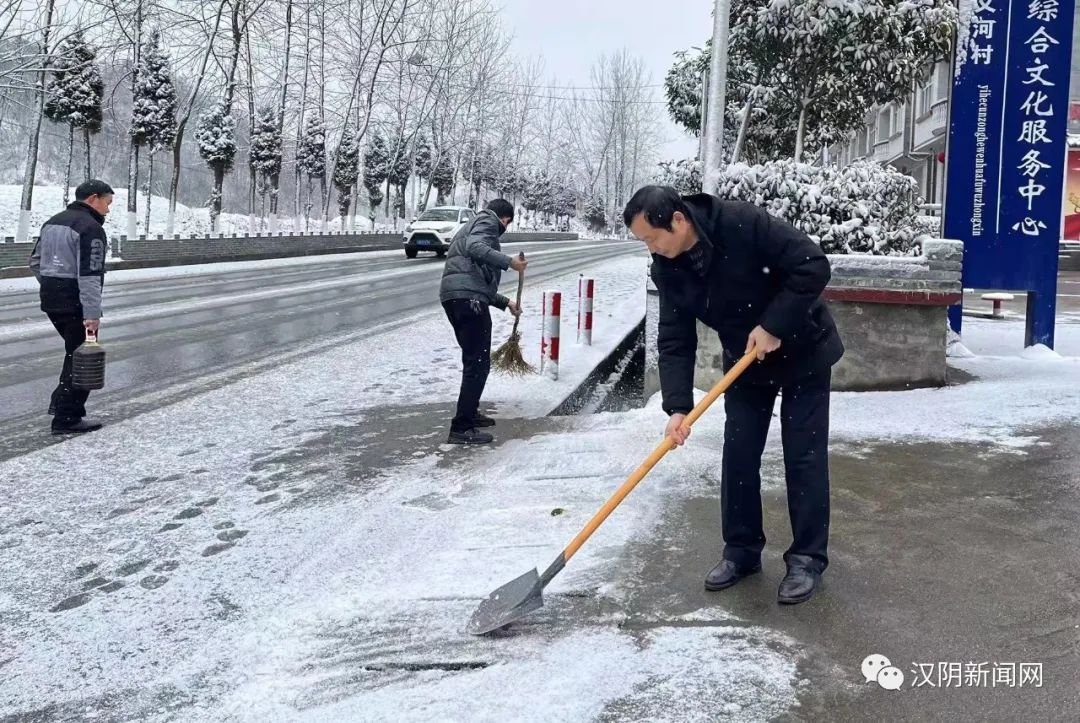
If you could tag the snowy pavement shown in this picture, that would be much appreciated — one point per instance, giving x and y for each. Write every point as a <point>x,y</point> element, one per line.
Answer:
<point>300,545</point>
<point>174,332</point>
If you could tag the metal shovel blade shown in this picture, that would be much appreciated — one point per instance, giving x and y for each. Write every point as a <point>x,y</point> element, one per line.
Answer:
<point>511,602</point>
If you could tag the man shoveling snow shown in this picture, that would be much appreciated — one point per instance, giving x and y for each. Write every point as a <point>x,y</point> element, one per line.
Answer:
<point>757,281</point>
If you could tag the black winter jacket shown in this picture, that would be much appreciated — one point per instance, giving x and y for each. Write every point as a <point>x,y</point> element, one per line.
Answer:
<point>759,270</point>
<point>69,262</point>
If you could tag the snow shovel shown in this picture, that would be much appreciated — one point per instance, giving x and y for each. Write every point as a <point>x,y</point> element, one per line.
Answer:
<point>524,594</point>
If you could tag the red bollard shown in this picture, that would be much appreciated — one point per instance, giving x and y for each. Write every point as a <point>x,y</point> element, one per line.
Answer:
<point>586,288</point>
<point>549,343</point>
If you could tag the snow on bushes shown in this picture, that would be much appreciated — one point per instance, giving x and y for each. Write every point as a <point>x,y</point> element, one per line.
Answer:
<point>863,208</point>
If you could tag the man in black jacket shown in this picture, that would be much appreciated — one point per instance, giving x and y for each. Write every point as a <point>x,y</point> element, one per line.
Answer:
<point>69,263</point>
<point>757,281</point>
<point>470,284</point>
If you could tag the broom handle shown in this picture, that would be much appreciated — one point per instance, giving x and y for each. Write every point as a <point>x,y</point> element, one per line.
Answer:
<point>521,284</point>
<point>663,448</point>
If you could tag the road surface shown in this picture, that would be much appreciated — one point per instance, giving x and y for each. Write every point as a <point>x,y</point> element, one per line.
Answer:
<point>169,336</point>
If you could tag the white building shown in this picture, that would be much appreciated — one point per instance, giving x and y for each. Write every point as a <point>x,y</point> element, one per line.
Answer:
<point>910,136</point>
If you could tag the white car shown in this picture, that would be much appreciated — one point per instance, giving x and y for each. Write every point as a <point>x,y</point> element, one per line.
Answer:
<point>435,229</point>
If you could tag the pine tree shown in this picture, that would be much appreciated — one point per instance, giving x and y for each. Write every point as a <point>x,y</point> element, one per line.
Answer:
<point>311,154</point>
<point>564,201</point>
<point>215,135</point>
<point>345,172</point>
<point>400,168</point>
<point>537,192</point>
<point>424,163</point>
<point>153,115</point>
<point>424,159</point>
<point>443,177</point>
<point>376,169</point>
<point>595,214</point>
<point>75,96</point>
<point>266,150</point>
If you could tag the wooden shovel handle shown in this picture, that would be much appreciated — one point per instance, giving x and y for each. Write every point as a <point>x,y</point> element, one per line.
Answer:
<point>657,454</point>
<point>521,285</point>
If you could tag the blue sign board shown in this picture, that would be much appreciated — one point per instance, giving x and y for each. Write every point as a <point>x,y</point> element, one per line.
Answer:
<point>1007,149</point>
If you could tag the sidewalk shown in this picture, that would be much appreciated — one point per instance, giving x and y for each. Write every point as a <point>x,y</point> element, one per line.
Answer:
<point>287,559</point>
<point>140,563</point>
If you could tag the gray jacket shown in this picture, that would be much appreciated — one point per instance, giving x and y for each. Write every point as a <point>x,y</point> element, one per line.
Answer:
<point>474,263</point>
<point>69,262</point>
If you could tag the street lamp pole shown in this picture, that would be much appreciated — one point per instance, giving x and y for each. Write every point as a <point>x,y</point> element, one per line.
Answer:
<point>713,131</point>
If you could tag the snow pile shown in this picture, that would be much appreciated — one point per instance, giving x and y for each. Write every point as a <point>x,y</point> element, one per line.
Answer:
<point>1010,399</point>
<point>1041,352</point>
<point>955,349</point>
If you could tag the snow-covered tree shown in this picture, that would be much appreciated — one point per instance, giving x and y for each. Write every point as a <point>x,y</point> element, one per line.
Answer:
<point>424,161</point>
<point>215,135</point>
<point>376,170</point>
<point>757,124</point>
<point>153,114</point>
<point>443,176</point>
<point>595,215</point>
<point>345,172</point>
<point>565,201</point>
<point>435,168</point>
<point>684,176</point>
<point>311,154</point>
<point>399,169</point>
<point>266,151</point>
<point>840,57</point>
<point>538,195</point>
<point>74,96</point>
<point>803,73</point>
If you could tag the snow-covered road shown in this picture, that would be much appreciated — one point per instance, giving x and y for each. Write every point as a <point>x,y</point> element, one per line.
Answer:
<point>173,332</point>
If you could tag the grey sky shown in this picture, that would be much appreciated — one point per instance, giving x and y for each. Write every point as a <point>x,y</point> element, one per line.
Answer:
<point>572,34</point>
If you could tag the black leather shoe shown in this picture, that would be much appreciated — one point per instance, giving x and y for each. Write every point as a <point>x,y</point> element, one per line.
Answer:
<point>726,574</point>
<point>81,427</point>
<point>470,436</point>
<point>482,420</point>
<point>799,585</point>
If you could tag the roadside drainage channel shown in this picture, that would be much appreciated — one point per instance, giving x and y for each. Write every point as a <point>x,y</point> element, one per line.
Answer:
<point>616,384</point>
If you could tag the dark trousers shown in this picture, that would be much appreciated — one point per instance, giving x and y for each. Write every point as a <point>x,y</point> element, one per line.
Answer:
<point>68,403</point>
<point>804,428</point>
<point>472,326</point>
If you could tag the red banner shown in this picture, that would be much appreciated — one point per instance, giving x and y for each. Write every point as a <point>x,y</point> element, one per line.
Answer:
<point>1072,196</point>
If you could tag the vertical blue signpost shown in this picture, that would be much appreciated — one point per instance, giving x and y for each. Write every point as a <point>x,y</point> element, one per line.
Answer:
<point>1007,150</point>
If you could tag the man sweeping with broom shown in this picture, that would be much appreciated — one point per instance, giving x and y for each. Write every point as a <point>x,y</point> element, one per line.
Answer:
<point>470,284</point>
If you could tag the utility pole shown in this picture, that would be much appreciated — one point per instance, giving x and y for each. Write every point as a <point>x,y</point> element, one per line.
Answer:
<point>703,123</point>
<point>714,122</point>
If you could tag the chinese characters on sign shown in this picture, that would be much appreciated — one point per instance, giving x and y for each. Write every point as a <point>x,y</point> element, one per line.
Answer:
<point>1036,109</point>
<point>982,26</point>
<point>1005,171</point>
<point>976,675</point>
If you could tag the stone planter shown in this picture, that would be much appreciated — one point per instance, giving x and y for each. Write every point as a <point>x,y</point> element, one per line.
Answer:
<point>891,313</point>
